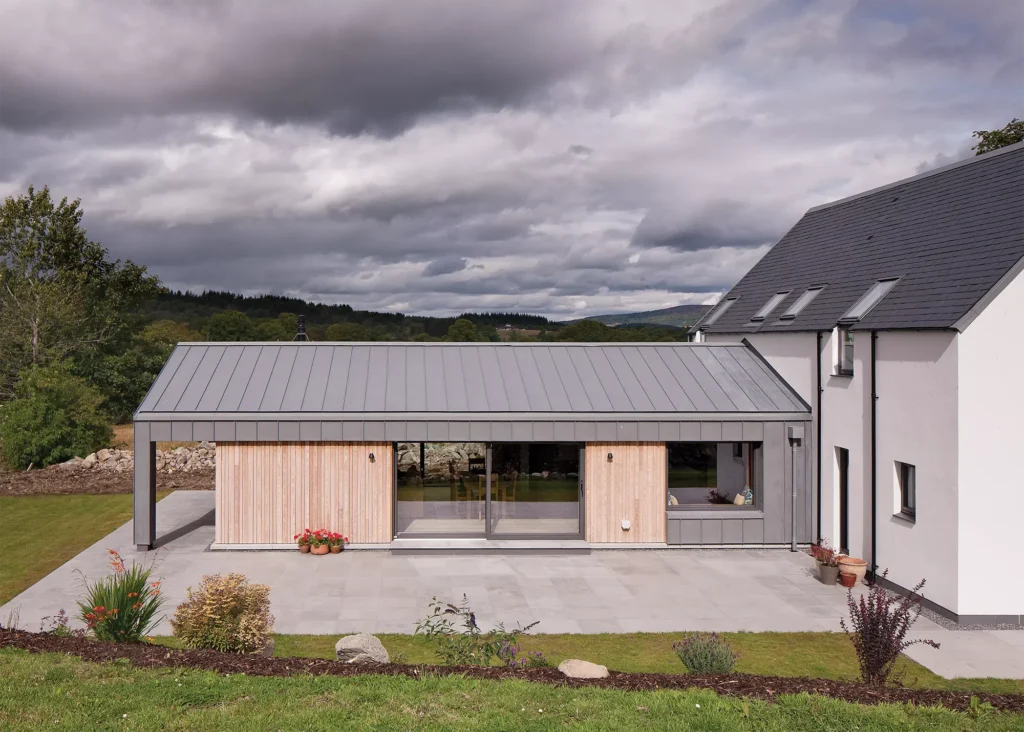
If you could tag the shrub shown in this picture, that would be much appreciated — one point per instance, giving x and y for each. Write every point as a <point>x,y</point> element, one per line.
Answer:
<point>705,653</point>
<point>58,625</point>
<point>226,613</point>
<point>823,553</point>
<point>122,607</point>
<point>469,646</point>
<point>53,417</point>
<point>880,623</point>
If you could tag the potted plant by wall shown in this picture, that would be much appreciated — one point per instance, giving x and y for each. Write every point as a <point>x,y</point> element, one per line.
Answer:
<point>320,542</point>
<point>847,579</point>
<point>828,562</point>
<point>854,566</point>
<point>337,542</point>
<point>303,541</point>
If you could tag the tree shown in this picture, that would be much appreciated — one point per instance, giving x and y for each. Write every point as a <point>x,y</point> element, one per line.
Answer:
<point>54,417</point>
<point>463,330</point>
<point>989,140</point>
<point>60,297</point>
<point>348,332</point>
<point>230,325</point>
<point>273,330</point>
<point>586,331</point>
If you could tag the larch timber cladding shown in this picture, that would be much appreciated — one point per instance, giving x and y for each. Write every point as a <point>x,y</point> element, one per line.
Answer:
<point>632,486</point>
<point>269,491</point>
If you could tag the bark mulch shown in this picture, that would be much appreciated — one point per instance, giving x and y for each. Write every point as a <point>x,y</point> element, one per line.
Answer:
<point>57,480</point>
<point>748,686</point>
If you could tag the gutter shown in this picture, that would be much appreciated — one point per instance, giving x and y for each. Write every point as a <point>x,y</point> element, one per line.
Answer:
<point>873,568</point>
<point>817,414</point>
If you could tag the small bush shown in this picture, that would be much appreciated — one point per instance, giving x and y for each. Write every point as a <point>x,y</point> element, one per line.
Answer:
<point>705,653</point>
<point>54,417</point>
<point>122,607</point>
<point>58,625</point>
<point>880,623</point>
<point>226,613</point>
<point>469,646</point>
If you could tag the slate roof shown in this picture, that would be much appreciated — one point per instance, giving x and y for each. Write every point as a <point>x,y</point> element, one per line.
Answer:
<point>950,235</point>
<point>405,378</point>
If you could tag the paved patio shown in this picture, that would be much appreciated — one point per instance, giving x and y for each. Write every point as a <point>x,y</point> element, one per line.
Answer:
<point>601,592</point>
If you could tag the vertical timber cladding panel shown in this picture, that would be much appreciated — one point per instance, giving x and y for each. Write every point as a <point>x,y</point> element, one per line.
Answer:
<point>269,491</point>
<point>631,487</point>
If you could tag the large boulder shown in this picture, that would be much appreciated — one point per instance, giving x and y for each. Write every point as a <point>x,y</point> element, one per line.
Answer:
<point>361,648</point>
<point>576,669</point>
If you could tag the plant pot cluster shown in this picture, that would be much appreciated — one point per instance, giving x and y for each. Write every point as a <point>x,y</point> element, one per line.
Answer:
<point>320,541</point>
<point>834,566</point>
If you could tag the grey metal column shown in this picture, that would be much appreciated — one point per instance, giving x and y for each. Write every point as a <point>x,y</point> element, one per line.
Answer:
<point>144,488</point>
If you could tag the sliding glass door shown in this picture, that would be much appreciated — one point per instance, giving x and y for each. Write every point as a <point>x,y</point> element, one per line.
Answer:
<point>501,490</point>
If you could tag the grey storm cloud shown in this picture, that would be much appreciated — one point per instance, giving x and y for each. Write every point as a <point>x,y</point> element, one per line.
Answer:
<point>585,157</point>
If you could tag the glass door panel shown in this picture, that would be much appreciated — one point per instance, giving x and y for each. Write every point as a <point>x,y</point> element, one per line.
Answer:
<point>440,489</point>
<point>534,489</point>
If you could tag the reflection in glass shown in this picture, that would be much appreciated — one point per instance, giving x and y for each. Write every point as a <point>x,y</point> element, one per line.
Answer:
<point>723,474</point>
<point>441,488</point>
<point>535,488</point>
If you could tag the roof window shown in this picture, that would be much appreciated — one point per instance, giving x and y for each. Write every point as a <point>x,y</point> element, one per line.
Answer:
<point>719,311</point>
<point>773,302</point>
<point>870,299</point>
<point>802,302</point>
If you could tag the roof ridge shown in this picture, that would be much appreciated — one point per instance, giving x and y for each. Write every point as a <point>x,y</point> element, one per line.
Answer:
<point>919,176</point>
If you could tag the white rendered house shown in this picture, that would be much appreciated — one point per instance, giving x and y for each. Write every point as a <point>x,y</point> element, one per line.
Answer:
<point>898,314</point>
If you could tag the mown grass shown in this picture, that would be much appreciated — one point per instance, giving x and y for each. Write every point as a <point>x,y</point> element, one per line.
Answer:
<point>40,533</point>
<point>817,655</point>
<point>58,692</point>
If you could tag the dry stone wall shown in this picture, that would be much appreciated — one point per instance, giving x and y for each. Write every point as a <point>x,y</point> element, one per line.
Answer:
<point>179,460</point>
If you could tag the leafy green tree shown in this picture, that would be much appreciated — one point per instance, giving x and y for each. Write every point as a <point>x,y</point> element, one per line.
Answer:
<point>230,325</point>
<point>348,332</point>
<point>463,330</point>
<point>60,297</point>
<point>989,140</point>
<point>125,377</point>
<point>586,331</point>
<point>273,330</point>
<point>54,416</point>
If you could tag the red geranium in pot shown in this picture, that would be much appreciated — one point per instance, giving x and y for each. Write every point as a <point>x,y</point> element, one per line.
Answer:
<point>303,540</point>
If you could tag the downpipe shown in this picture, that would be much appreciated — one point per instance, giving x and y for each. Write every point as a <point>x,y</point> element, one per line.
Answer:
<point>874,457</point>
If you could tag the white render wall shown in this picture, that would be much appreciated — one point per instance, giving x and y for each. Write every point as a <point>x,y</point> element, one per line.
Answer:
<point>991,402</point>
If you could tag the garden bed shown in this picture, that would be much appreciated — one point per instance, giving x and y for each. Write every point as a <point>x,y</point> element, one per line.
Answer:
<point>748,686</point>
<point>57,480</point>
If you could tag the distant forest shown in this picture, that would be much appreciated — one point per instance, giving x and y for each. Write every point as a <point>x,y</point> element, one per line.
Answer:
<point>217,315</point>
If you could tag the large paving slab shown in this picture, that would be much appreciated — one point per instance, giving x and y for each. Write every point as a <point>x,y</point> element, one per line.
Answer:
<point>601,592</point>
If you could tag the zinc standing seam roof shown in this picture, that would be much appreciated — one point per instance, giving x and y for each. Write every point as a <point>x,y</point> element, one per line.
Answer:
<point>404,378</point>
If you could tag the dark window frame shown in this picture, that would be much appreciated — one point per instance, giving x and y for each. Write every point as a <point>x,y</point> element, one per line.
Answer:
<point>754,479</point>
<point>907,476</point>
<point>845,365</point>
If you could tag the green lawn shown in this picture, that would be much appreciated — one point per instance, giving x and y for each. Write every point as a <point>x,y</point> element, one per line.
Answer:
<point>40,533</point>
<point>59,692</point>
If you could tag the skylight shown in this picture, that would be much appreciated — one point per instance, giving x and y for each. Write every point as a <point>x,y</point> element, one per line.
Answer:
<point>802,302</point>
<point>870,299</point>
<point>719,311</point>
<point>773,302</point>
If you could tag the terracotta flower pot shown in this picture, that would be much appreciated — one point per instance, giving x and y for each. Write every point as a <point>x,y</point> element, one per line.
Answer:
<point>322,549</point>
<point>847,580</point>
<point>828,574</point>
<point>854,566</point>
<point>304,548</point>
<point>335,548</point>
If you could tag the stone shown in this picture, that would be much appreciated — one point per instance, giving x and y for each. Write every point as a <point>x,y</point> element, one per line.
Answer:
<point>103,455</point>
<point>89,461</point>
<point>577,669</point>
<point>72,464</point>
<point>361,648</point>
<point>268,650</point>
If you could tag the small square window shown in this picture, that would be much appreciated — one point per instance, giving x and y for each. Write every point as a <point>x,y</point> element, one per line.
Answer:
<point>845,365</point>
<point>908,490</point>
<point>773,302</point>
<point>871,298</point>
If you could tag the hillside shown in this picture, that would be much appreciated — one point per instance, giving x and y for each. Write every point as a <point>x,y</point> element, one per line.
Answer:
<point>680,316</point>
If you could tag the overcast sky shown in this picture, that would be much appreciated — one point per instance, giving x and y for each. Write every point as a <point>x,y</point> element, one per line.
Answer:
<point>557,157</point>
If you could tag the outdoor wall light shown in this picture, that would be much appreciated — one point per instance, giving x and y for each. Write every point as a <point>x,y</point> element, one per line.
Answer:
<point>372,459</point>
<point>609,457</point>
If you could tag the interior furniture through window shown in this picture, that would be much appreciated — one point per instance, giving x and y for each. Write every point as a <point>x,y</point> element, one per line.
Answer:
<point>704,475</point>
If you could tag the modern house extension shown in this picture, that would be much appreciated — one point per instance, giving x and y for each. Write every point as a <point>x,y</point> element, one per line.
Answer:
<point>586,444</point>
<point>897,315</point>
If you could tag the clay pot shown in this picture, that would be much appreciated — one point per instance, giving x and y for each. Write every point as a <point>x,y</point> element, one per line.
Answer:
<point>828,574</point>
<point>335,549</point>
<point>304,548</point>
<point>847,579</point>
<point>320,550</point>
<point>854,566</point>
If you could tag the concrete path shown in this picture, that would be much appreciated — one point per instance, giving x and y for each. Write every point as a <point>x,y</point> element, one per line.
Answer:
<point>601,592</point>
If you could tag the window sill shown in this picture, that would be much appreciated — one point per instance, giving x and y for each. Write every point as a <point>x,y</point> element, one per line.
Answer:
<point>696,512</point>
<point>908,518</point>
<point>847,373</point>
